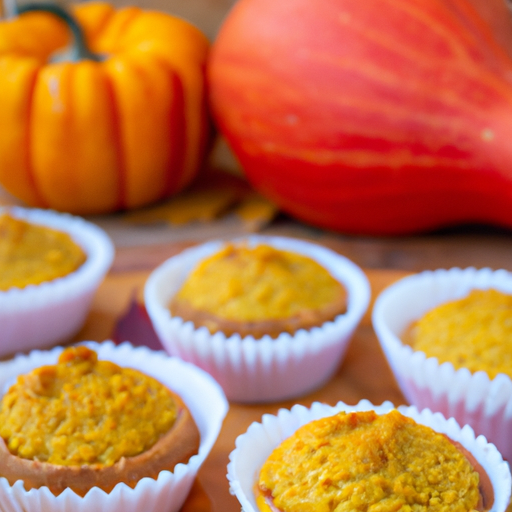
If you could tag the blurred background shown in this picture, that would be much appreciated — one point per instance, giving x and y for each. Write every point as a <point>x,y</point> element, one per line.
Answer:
<point>462,246</point>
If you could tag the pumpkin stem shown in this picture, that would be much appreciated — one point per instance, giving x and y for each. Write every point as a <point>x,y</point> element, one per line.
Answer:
<point>79,49</point>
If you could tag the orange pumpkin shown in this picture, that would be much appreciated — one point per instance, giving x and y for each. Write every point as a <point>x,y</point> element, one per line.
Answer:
<point>94,135</point>
<point>368,116</point>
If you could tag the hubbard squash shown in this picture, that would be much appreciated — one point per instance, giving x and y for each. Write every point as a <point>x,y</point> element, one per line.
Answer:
<point>377,117</point>
<point>118,123</point>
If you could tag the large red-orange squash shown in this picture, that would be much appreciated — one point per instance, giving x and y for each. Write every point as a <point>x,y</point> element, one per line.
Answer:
<point>116,129</point>
<point>374,116</point>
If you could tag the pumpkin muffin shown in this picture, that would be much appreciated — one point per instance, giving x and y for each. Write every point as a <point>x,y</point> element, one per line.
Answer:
<point>365,458</point>
<point>150,391</point>
<point>446,336</point>
<point>358,460</point>
<point>51,265</point>
<point>31,254</point>
<point>85,423</point>
<point>474,332</point>
<point>269,318</point>
<point>257,291</point>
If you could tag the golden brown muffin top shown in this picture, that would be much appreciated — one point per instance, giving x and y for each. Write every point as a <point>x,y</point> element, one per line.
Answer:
<point>84,411</point>
<point>246,283</point>
<point>362,461</point>
<point>474,332</point>
<point>32,254</point>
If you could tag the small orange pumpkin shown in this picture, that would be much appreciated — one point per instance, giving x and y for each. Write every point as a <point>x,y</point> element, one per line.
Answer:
<point>118,128</point>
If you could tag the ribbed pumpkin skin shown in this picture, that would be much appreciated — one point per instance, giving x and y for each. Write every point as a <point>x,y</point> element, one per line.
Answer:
<point>373,117</point>
<point>95,137</point>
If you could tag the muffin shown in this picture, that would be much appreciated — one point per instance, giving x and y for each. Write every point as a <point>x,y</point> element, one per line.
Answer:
<point>128,431</point>
<point>84,423</point>
<point>362,460</point>
<point>31,254</point>
<point>365,457</point>
<point>252,366</point>
<point>461,370</point>
<point>473,332</point>
<point>257,291</point>
<point>52,264</point>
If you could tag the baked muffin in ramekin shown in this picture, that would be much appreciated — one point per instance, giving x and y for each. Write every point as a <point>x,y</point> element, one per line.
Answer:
<point>259,368</point>
<point>199,404</point>
<point>480,397</point>
<point>52,311</point>
<point>273,453</point>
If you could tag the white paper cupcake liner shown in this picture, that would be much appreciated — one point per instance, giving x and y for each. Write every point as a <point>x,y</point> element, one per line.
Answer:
<point>474,399</point>
<point>42,315</point>
<point>202,395</point>
<point>257,443</point>
<point>267,369</point>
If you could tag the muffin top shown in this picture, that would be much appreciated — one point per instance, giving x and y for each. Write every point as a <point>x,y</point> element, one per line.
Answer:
<point>258,283</point>
<point>32,254</point>
<point>474,332</point>
<point>84,411</point>
<point>364,461</point>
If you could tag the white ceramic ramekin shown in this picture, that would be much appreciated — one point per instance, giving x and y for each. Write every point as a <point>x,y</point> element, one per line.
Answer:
<point>256,444</point>
<point>266,369</point>
<point>49,313</point>
<point>202,395</point>
<point>472,398</point>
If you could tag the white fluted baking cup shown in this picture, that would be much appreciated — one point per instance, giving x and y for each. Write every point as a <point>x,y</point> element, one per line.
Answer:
<point>41,315</point>
<point>202,395</point>
<point>267,369</point>
<point>471,398</point>
<point>254,446</point>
